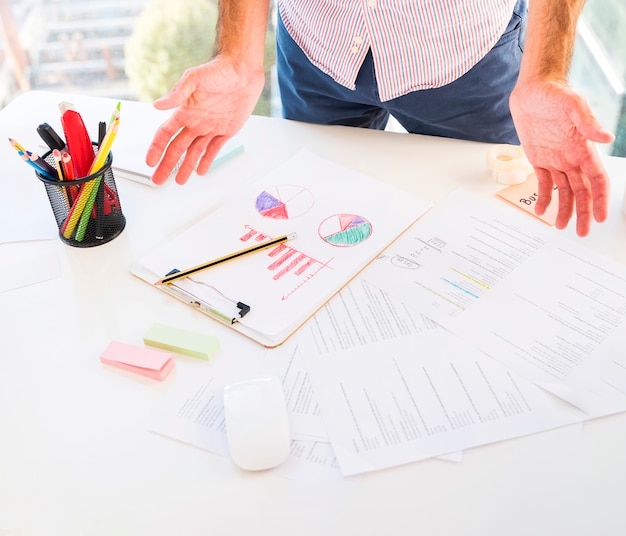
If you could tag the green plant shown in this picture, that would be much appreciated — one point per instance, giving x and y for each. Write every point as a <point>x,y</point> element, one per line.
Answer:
<point>168,38</point>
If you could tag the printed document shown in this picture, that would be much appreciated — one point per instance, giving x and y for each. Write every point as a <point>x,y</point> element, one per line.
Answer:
<point>422,396</point>
<point>543,305</point>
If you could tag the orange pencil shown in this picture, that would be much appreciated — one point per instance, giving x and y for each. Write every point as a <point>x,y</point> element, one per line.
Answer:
<point>68,171</point>
<point>56,154</point>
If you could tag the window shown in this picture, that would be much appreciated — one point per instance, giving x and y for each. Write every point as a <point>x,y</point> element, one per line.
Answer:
<point>80,46</point>
<point>599,65</point>
<point>87,46</point>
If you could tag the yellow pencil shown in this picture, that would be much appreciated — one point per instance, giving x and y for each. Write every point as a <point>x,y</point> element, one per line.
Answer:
<point>56,154</point>
<point>231,256</point>
<point>82,205</point>
<point>105,147</point>
<point>17,146</point>
<point>115,115</point>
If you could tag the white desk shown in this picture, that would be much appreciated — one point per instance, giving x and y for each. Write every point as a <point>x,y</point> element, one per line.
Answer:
<point>76,456</point>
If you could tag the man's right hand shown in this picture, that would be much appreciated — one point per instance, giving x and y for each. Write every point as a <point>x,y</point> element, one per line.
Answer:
<point>212,102</point>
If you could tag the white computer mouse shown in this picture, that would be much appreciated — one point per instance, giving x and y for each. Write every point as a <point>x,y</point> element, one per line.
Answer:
<point>257,424</point>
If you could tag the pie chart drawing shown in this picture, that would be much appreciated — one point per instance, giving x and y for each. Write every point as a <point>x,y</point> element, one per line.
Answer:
<point>345,230</point>
<point>284,202</point>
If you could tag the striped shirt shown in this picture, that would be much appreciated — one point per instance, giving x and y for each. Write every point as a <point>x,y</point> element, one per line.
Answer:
<point>416,44</point>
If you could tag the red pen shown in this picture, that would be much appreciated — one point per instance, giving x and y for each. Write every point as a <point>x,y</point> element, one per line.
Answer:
<point>77,140</point>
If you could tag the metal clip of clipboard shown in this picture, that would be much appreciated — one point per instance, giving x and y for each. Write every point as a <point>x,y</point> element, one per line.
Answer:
<point>237,311</point>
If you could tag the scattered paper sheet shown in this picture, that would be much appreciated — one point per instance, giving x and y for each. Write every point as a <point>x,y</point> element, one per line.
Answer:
<point>374,371</point>
<point>25,212</point>
<point>195,415</point>
<point>363,314</point>
<point>28,269</point>
<point>539,303</point>
<point>304,415</point>
<point>401,401</point>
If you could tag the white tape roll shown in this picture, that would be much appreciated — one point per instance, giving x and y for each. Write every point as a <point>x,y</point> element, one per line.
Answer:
<point>508,164</point>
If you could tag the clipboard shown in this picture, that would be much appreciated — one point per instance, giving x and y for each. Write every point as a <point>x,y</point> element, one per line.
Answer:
<point>342,221</point>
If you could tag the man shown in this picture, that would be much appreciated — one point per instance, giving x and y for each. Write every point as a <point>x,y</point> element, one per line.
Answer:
<point>450,68</point>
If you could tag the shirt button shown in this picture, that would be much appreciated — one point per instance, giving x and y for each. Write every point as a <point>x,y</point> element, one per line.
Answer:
<point>354,49</point>
<point>357,40</point>
<point>371,3</point>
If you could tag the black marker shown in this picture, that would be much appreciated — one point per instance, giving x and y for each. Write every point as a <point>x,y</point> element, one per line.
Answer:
<point>102,130</point>
<point>50,137</point>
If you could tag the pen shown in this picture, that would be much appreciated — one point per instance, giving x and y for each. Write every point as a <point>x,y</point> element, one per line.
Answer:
<point>107,197</point>
<point>102,130</point>
<point>247,251</point>
<point>50,137</point>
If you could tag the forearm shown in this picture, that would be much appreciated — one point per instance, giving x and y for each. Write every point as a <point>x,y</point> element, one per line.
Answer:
<point>550,39</point>
<point>241,31</point>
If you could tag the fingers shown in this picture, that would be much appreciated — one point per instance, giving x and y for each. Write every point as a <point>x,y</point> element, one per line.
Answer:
<point>546,181</point>
<point>576,188</point>
<point>166,132</point>
<point>588,196</point>
<point>210,153</point>
<point>599,184</point>
<point>171,156</point>
<point>600,192</point>
<point>201,149</point>
<point>589,182</point>
<point>566,200</point>
<point>193,154</point>
<point>544,192</point>
<point>185,170</point>
<point>169,130</point>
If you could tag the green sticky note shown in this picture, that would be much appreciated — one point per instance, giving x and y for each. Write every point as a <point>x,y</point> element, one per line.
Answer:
<point>182,341</point>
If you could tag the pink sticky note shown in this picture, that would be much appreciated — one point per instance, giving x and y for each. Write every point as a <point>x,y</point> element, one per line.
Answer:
<point>154,364</point>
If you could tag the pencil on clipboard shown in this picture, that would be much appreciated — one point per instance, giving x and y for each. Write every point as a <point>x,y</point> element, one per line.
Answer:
<point>231,256</point>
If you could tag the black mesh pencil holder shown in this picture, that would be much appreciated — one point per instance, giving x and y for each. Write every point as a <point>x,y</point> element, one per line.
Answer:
<point>87,210</point>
